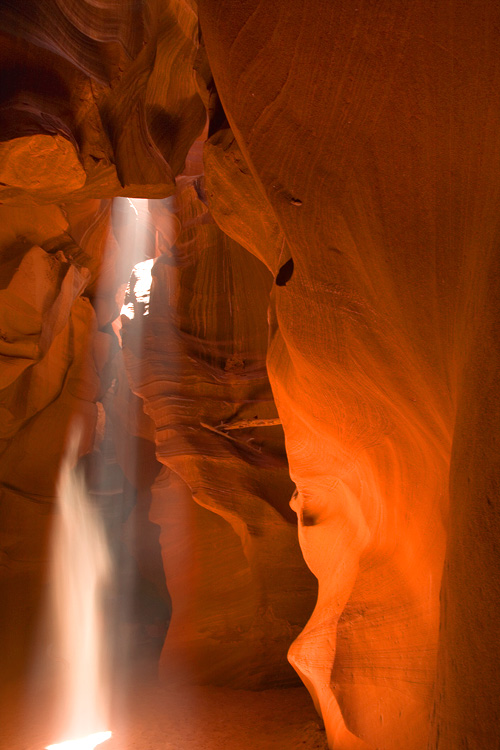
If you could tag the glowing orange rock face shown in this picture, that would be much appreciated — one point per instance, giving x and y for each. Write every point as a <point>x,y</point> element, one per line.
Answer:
<point>374,148</point>
<point>50,356</point>
<point>72,77</point>
<point>240,589</point>
<point>362,170</point>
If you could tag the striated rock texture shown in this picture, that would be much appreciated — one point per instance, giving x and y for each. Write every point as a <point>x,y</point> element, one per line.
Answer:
<point>195,352</point>
<point>365,156</point>
<point>97,100</point>
<point>344,305</point>
<point>53,348</point>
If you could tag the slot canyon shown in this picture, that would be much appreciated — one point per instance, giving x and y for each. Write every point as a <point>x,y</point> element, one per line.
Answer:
<point>252,250</point>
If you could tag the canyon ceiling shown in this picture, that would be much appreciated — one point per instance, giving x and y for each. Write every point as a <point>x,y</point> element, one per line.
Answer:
<point>308,403</point>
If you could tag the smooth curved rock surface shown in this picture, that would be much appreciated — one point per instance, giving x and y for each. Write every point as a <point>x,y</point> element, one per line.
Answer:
<point>352,167</point>
<point>52,355</point>
<point>373,140</point>
<point>196,355</point>
<point>97,100</point>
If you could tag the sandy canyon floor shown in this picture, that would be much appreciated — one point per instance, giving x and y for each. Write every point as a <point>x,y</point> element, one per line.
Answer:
<point>153,717</point>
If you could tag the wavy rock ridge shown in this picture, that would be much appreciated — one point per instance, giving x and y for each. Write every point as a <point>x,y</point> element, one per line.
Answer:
<point>329,286</point>
<point>371,142</point>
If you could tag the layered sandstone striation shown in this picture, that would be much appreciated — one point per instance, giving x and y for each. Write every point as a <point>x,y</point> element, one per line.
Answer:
<point>96,100</point>
<point>195,352</point>
<point>320,324</point>
<point>367,131</point>
<point>53,348</point>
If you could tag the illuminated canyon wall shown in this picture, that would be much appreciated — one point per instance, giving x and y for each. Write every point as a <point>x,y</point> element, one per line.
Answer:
<point>322,327</point>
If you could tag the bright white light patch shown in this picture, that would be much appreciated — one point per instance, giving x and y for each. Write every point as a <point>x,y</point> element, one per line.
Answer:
<point>132,204</point>
<point>84,743</point>
<point>136,302</point>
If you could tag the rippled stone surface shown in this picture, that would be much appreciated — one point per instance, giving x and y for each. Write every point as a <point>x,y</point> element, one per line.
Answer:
<point>372,143</point>
<point>53,347</point>
<point>195,353</point>
<point>96,100</point>
<point>344,305</point>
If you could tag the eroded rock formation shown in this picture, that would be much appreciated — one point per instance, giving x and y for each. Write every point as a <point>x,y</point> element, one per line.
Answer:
<point>330,284</point>
<point>96,101</point>
<point>51,355</point>
<point>196,353</point>
<point>370,138</point>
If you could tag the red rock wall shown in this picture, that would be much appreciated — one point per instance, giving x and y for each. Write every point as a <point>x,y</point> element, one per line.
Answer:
<point>353,150</point>
<point>240,590</point>
<point>52,354</point>
<point>96,101</point>
<point>369,133</point>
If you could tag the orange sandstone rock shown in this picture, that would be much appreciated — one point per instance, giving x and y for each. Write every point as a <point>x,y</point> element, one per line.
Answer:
<point>371,131</point>
<point>51,358</point>
<point>96,103</point>
<point>196,355</point>
<point>352,168</point>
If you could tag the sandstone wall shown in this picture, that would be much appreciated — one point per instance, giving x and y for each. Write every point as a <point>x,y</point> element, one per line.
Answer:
<point>367,132</point>
<point>53,349</point>
<point>95,102</point>
<point>195,352</point>
<point>344,307</point>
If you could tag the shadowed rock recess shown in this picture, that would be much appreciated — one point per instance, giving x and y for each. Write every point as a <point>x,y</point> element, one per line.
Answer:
<point>305,392</point>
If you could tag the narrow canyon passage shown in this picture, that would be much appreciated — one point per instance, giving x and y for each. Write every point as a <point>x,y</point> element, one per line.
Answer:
<point>253,250</point>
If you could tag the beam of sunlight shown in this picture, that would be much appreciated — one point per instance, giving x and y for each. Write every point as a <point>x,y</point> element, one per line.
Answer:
<point>133,229</point>
<point>136,300</point>
<point>81,565</point>
<point>80,570</point>
<point>84,743</point>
